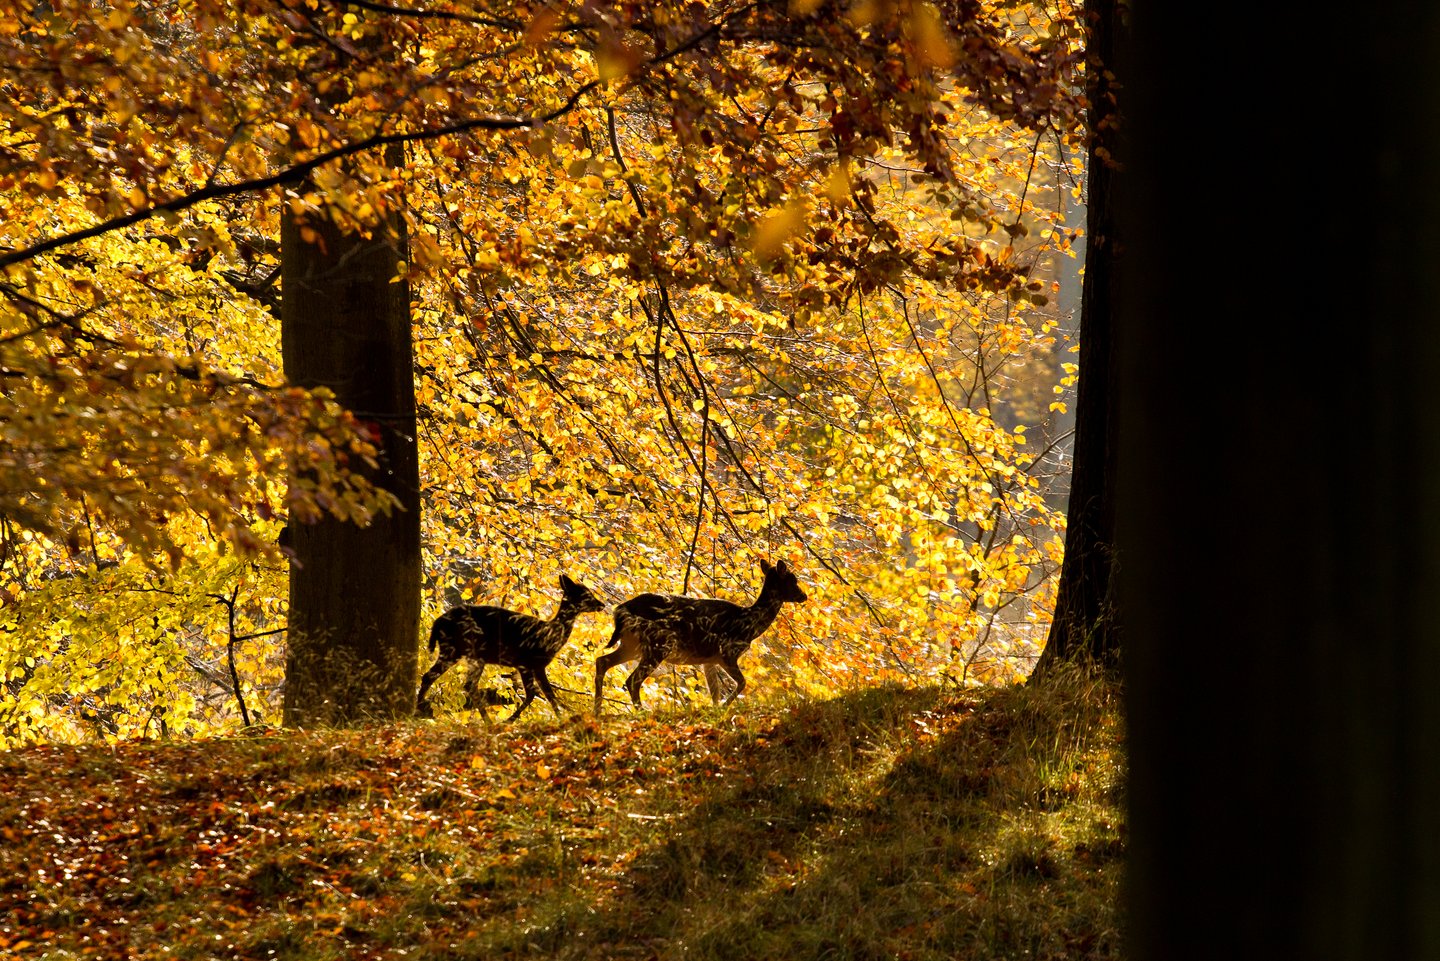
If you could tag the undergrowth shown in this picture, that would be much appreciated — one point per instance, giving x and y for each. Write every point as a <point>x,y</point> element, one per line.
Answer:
<point>885,823</point>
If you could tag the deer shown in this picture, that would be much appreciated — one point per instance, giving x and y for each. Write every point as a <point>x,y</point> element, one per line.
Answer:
<point>659,628</point>
<point>495,635</point>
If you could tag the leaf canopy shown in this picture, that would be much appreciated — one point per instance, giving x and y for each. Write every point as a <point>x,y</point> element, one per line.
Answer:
<point>694,284</point>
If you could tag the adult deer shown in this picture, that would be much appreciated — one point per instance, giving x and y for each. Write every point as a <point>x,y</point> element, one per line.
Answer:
<point>494,635</point>
<point>657,628</point>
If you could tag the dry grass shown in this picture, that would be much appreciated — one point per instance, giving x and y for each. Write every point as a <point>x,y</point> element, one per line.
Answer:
<point>886,823</point>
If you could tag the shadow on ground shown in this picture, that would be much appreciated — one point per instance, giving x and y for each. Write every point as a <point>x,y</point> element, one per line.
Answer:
<point>888,823</point>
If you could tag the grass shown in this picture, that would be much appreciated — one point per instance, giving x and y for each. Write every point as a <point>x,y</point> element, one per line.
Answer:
<point>886,823</point>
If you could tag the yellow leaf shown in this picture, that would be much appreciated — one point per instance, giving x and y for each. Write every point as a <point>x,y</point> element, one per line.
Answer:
<point>541,26</point>
<point>615,60</point>
<point>778,227</point>
<point>931,44</point>
<point>506,793</point>
<point>864,13</point>
<point>541,770</point>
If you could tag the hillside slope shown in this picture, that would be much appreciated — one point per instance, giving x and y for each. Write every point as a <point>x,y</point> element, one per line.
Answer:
<point>887,823</point>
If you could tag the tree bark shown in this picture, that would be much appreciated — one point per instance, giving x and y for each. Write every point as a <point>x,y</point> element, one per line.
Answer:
<point>1086,626</point>
<point>354,591</point>
<point>1279,526</point>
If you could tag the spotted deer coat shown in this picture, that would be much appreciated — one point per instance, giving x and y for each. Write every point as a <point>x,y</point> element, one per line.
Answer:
<point>659,628</point>
<point>495,635</point>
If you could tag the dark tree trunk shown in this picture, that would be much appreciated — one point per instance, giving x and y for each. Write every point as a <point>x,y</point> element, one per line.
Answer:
<point>1279,527</point>
<point>1085,625</point>
<point>354,591</point>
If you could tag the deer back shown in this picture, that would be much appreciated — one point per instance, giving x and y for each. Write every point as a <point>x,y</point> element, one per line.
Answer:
<point>495,635</point>
<point>686,629</point>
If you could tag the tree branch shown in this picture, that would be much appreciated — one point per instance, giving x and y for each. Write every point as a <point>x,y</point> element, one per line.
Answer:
<point>229,603</point>
<point>298,172</point>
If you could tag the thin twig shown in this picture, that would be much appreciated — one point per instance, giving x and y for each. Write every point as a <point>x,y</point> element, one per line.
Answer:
<point>229,603</point>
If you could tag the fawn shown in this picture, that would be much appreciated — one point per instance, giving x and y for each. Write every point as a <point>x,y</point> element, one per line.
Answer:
<point>494,635</point>
<point>687,630</point>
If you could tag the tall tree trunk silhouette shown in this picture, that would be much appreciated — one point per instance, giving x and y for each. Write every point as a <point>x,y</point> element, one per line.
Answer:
<point>1086,626</point>
<point>354,591</point>
<point>1278,530</point>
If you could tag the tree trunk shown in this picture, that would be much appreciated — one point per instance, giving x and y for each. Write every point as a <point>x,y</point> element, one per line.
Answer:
<point>1279,528</point>
<point>354,591</point>
<point>1085,625</point>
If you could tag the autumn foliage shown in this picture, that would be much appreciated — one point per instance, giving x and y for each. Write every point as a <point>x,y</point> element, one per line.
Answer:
<point>693,285</point>
<point>892,822</point>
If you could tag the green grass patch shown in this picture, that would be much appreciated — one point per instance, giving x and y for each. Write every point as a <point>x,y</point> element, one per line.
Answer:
<point>885,823</point>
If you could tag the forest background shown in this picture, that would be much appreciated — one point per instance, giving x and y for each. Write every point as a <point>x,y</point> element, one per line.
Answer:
<point>1277,535</point>
<point>681,288</point>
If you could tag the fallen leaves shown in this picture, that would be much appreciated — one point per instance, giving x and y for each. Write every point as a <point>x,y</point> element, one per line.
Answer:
<point>165,844</point>
<point>390,841</point>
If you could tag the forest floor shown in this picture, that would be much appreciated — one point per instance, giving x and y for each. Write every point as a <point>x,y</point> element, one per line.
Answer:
<point>886,823</point>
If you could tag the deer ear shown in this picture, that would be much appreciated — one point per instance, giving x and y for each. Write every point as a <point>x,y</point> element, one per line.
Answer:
<point>780,566</point>
<point>565,583</point>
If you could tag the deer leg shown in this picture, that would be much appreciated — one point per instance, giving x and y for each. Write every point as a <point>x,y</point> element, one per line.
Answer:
<point>732,667</point>
<point>473,698</point>
<point>527,679</point>
<point>712,681</point>
<point>548,691</point>
<point>472,691</point>
<point>603,663</point>
<point>637,677</point>
<point>436,669</point>
<point>477,671</point>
